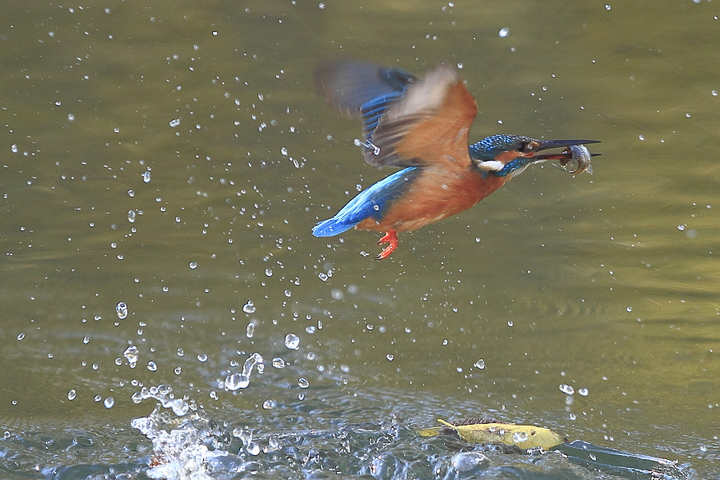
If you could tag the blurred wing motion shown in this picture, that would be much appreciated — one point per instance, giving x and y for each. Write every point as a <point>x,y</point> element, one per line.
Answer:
<point>406,121</point>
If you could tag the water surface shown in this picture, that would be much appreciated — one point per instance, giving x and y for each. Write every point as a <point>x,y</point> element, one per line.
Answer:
<point>174,157</point>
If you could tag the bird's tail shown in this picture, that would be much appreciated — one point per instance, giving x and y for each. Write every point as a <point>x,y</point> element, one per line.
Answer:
<point>333,226</point>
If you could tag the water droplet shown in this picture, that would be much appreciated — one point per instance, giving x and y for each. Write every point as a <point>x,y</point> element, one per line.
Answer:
<point>249,307</point>
<point>72,395</point>
<point>278,362</point>
<point>202,358</point>
<point>131,216</point>
<point>174,122</point>
<point>520,437</point>
<point>152,366</point>
<point>109,402</point>
<point>71,117</point>
<point>283,151</point>
<point>146,176</point>
<point>714,93</point>
<point>608,7</point>
<point>566,389</point>
<point>20,336</point>
<point>180,407</point>
<point>302,383</point>
<point>269,404</point>
<point>268,272</point>
<point>131,353</point>
<point>480,364</point>
<point>192,265</point>
<point>122,310</point>
<point>583,391</point>
<point>273,444</point>
<point>504,32</point>
<point>236,381</point>
<point>292,341</point>
<point>250,330</point>
<point>628,309</point>
<point>14,148</point>
<point>131,193</point>
<point>681,227</point>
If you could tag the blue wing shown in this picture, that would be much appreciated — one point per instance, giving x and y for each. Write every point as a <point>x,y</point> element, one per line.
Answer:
<point>348,84</point>
<point>355,88</point>
<point>370,203</point>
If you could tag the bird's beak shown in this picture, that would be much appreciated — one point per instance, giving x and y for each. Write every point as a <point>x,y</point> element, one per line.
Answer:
<point>566,154</point>
<point>574,153</point>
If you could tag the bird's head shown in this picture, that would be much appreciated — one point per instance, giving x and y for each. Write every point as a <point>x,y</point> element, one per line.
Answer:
<point>509,155</point>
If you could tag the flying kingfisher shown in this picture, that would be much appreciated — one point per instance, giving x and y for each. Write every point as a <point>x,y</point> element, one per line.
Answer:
<point>422,125</point>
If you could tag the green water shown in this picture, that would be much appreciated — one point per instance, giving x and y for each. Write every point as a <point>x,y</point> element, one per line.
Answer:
<point>606,282</point>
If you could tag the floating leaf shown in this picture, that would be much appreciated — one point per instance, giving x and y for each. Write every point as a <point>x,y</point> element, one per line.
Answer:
<point>483,430</point>
<point>524,436</point>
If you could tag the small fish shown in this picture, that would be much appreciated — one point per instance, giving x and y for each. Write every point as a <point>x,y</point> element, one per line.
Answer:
<point>580,159</point>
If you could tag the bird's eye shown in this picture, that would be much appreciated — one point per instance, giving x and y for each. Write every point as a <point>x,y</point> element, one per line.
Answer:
<point>524,147</point>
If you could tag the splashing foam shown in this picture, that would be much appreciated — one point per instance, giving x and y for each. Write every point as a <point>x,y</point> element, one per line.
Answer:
<point>185,439</point>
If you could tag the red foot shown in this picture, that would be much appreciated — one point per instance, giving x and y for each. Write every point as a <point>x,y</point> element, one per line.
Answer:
<point>391,239</point>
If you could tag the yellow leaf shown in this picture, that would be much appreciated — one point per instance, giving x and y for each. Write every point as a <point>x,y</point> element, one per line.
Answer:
<point>524,436</point>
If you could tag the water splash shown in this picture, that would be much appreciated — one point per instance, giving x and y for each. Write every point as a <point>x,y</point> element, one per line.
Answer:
<point>236,381</point>
<point>183,443</point>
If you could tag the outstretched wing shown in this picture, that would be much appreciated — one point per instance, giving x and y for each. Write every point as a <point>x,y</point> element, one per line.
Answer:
<point>407,121</point>
<point>356,88</point>
<point>347,85</point>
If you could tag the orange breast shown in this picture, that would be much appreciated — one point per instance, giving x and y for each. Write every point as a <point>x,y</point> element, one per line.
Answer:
<point>436,194</point>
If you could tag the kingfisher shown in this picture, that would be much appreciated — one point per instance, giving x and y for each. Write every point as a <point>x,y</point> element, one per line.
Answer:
<point>422,125</point>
